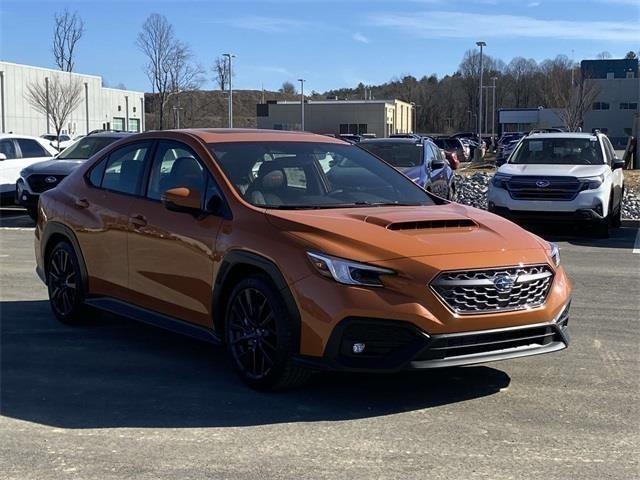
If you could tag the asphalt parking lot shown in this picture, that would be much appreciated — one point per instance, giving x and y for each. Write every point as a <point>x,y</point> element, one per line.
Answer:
<point>115,399</point>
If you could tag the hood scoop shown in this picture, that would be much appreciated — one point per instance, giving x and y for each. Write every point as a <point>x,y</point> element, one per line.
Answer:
<point>433,224</point>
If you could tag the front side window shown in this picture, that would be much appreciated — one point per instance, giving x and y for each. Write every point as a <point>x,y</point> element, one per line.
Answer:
<point>558,151</point>
<point>31,149</point>
<point>398,154</point>
<point>175,165</point>
<point>124,168</point>
<point>299,175</point>
<point>8,148</point>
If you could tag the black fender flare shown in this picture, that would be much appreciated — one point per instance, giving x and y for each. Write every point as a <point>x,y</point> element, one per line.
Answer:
<point>235,258</point>
<point>55,229</point>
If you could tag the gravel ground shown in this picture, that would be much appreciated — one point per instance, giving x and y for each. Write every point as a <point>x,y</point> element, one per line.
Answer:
<point>472,190</point>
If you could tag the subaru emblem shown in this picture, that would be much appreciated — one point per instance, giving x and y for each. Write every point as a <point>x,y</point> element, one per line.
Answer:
<point>503,283</point>
<point>543,183</point>
<point>50,180</point>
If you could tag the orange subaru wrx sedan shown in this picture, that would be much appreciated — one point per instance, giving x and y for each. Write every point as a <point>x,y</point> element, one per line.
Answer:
<point>299,252</point>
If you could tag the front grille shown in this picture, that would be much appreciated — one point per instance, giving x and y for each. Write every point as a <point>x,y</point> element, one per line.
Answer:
<point>493,290</point>
<point>38,183</point>
<point>543,188</point>
<point>456,345</point>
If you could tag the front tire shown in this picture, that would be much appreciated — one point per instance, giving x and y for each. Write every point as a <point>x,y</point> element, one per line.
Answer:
<point>64,283</point>
<point>616,220</point>
<point>259,336</point>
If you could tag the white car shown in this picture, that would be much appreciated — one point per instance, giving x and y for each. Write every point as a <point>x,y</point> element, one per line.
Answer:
<point>64,140</point>
<point>561,177</point>
<point>16,153</point>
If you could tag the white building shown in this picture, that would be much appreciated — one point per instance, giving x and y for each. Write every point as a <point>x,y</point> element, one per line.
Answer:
<point>101,108</point>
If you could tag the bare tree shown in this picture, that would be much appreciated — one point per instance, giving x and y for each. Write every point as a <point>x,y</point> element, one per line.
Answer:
<point>578,102</point>
<point>631,55</point>
<point>288,87</point>
<point>221,72</point>
<point>56,99</point>
<point>68,30</point>
<point>604,55</point>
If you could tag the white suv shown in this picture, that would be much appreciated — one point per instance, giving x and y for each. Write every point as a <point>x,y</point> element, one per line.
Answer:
<point>561,176</point>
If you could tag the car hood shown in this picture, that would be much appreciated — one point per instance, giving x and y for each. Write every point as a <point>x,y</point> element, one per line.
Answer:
<point>53,167</point>
<point>386,233</point>
<point>553,170</point>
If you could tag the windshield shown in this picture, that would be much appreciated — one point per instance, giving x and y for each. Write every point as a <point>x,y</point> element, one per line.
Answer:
<point>85,147</point>
<point>558,151</point>
<point>292,175</point>
<point>398,154</point>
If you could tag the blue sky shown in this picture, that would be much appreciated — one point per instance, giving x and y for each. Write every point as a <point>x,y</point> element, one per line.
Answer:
<point>331,43</point>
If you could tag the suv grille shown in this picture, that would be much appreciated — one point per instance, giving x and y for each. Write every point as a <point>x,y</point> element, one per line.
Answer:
<point>543,188</point>
<point>496,289</point>
<point>38,183</point>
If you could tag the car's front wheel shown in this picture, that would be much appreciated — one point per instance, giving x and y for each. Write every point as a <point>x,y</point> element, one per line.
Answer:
<point>64,283</point>
<point>259,336</point>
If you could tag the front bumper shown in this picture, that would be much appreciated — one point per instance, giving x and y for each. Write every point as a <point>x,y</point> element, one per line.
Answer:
<point>524,216</point>
<point>391,346</point>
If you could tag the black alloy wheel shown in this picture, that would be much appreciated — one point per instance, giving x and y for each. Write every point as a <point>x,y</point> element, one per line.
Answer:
<point>64,283</point>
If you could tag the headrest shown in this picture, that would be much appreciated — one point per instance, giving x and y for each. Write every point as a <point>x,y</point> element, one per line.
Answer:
<point>274,179</point>
<point>186,167</point>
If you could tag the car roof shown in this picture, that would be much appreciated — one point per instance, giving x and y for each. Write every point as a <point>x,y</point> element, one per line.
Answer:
<point>224,135</point>
<point>109,135</point>
<point>393,140</point>
<point>563,135</point>
<point>16,135</point>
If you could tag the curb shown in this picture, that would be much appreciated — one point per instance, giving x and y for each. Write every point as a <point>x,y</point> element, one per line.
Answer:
<point>628,222</point>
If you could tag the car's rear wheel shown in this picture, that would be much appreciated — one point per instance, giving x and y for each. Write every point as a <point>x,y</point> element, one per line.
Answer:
<point>259,336</point>
<point>64,283</point>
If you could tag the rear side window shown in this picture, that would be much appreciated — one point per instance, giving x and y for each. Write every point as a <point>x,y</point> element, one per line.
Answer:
<point>31,149</point>
<point>8,148</point>
<point>122,170</point>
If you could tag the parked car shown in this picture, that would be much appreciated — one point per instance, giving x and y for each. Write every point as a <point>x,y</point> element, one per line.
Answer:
<point>566,177</point>
<point>452,159</point>
<point>42,176</point>
<point>546,130</point>
<point>420,160</point>
<point>505,150</point>
<point>341,265</point>
<point>350,137</point>
<point>59,143</point>
<point>16,153</point>
<point>453,145</point>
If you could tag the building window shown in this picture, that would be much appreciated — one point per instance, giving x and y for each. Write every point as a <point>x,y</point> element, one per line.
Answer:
<point>362,128</point>
<point>119,108</point>
<point>629,106</point>
<point>630,75</point>
<point>134,109</point>
<point>610,76</point>
<point>600,106</point>
<point>118,123</point>
<point>134,124</point>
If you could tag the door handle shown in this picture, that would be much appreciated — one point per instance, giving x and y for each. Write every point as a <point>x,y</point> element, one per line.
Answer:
<point>138,220</point>
<point>81,203</point>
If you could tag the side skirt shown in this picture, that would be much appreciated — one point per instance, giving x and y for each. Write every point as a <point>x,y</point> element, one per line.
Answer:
<point>150,317</point>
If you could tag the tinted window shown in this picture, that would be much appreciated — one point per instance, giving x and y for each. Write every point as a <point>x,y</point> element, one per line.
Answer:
<point>86,147</point>
<point>313,175</point>
<point>8,148</point>
<point>561,151</point>
<point>175,165</point>
<point>124,168</point>
<point>398,154</point>
<point>31,148</point>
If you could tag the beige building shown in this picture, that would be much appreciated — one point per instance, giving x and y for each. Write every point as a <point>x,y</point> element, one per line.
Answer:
<point>379,117</point>
<point>101,108</point>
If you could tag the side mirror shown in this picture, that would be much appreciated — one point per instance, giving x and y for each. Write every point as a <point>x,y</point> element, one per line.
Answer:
<point>182,199</point>
<point>437,163</point>
<point>2,157</point>
<point>617,163</point>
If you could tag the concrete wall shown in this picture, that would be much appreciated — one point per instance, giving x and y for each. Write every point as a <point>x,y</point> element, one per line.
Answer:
<point>106,107</point>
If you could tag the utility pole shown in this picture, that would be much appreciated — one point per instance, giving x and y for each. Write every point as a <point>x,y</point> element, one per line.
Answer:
<point>302,80</point>
<point>230,56</point>
<point>493,111</point>
<point>481,45</point>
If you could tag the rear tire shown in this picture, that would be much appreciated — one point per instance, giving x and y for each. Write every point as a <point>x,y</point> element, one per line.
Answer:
<point>259,336</point>
<point>64,283</point>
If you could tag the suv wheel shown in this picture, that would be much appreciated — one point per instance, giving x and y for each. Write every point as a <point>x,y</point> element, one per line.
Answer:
<point>64,283</point>
<point>259,336</point>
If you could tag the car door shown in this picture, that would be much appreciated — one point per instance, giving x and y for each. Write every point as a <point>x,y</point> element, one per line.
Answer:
<point>437,164</point>
<point>172,254</point>
<point>100,216</point>
<point>617,175</point>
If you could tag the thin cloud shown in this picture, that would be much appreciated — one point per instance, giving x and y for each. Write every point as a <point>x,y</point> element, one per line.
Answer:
<point>441,24</point>
<point>358,37</point>
<point>533,4</point>
<point>264,24</point>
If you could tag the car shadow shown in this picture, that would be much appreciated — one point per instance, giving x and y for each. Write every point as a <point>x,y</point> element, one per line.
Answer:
<point>623,237</point>
<point>15,217</point>
<point>112,372</point>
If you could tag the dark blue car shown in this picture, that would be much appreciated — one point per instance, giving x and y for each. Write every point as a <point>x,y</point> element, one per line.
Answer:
<point>419,159</point>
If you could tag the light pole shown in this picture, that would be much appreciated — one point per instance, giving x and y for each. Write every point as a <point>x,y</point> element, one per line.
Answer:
<point>230,56</point>
<point>415,117</point>
<point>481,45</point>
<point>302,80</point>
<point>493,111</point>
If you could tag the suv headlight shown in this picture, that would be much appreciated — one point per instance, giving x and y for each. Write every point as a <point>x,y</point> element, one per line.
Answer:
<point>347,271</point>
<point>500,180</point>
<point>592,183</point>
<point>554,253</point>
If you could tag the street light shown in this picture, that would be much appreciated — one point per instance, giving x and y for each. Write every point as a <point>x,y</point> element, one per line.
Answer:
<point>481,45</point>
<point>493,111</point>
<point>230,56</point>
<point>302,80</point>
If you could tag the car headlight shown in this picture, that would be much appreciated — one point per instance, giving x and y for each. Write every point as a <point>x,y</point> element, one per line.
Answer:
<point>500,180</point>
<point>592,183</point>
<point>24,173</point>
<point>347,271</point>
<point>554,254</point>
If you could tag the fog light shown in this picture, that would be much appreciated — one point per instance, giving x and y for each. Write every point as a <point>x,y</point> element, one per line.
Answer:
<point>358,347</point>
